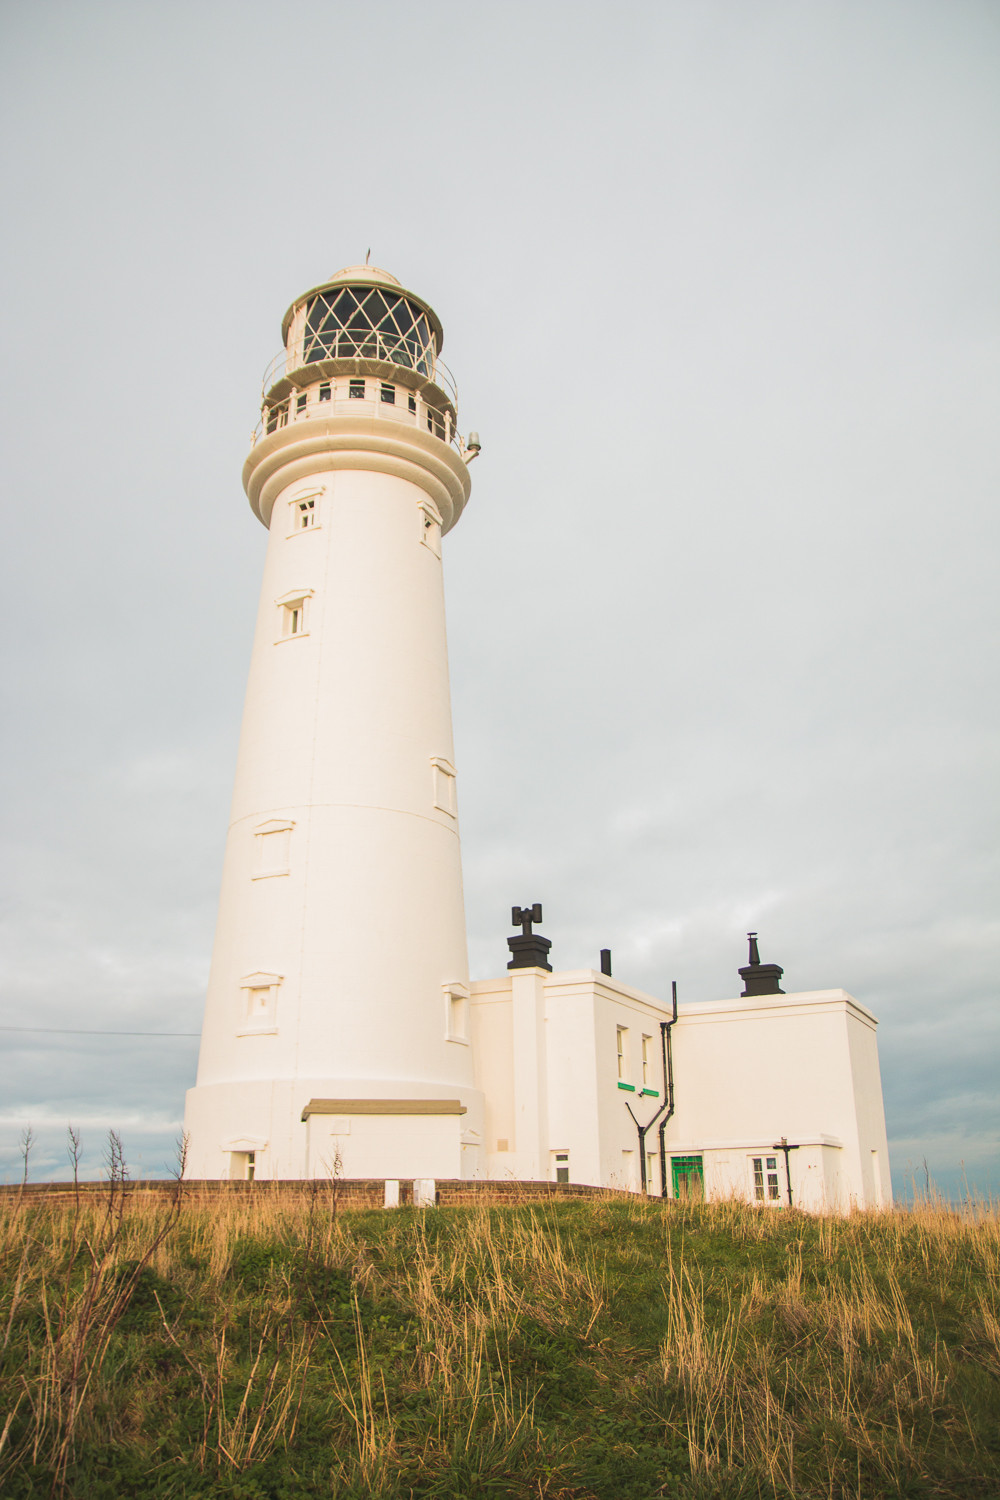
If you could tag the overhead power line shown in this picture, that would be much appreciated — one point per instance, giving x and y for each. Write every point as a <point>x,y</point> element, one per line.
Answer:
<point>69,1031</point>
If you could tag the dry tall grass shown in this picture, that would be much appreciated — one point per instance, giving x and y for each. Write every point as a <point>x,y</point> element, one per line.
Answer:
<point>265,1345</point>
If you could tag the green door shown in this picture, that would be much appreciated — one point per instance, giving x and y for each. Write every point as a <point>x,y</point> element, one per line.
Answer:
<point>688,1177</point>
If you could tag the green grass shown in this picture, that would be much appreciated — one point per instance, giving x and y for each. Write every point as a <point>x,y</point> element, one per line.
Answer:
<point>611,1348</point>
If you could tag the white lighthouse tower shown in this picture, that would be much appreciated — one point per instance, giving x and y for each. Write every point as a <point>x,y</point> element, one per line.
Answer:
<point>336,1022</point>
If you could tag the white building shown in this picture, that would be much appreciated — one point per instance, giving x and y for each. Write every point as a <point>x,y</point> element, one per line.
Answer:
<point>341,1029</point>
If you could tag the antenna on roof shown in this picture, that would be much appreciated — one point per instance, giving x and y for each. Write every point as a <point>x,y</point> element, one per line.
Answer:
<point>368,257</point>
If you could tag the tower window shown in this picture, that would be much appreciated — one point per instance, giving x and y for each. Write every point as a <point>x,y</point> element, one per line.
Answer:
<point>645,1060</point>
<point>293,615</point>
<point>301,402</point>
<point>430,525</point>
<point>443,773</point>
<point>412,402</point>
<point>271,854</point>
<point>388,394</point>
<point>260,1005</point>
<point>305,510</point>
<point>456,1000</point>
<point>622,1051</point>
<point>324,391</point>
<point>356,390</point>
<point>562,1166</point>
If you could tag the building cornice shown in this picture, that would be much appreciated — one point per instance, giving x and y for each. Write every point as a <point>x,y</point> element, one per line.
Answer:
<point>327,444</point>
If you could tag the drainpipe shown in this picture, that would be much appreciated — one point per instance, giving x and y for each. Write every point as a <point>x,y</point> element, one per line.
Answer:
<point>666,1041</point>
<point>668,1103</point>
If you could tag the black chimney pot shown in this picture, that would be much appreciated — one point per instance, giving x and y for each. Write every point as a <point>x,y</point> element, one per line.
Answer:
<point>758,978</point>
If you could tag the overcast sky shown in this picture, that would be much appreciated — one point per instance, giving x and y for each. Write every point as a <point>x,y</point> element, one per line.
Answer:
<point>719,288</point>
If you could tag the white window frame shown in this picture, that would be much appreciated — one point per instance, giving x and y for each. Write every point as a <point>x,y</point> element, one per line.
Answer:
<point>243,1152</point>
<point>444,793</point>
<point>767,1199</point>
<point>623,1057</point>
<point>456,1012</point>
<point>294,512</point>
<point>257,1019</point>
<point>288,604</point>
<point>260,835</point>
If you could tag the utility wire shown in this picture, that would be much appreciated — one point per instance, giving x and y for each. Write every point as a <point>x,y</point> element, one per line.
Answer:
<point>64,1031</point>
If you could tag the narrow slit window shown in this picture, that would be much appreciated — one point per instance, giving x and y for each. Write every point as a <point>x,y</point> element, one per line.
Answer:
<point>411,402</point>
<point>430,525</point>
<point>388,394</point>
<point>645,1061</point>
<point>251,1165</point>
<point>356,390</point>
<point>622,1033</point>
<point>772,1178</point>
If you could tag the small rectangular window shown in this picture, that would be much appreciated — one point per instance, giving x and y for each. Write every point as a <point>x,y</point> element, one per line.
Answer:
<point>562,1166</point>
<point>622,1034</point>
<point>356,390</point>
<point>412,402</point>
<point>307,514</point>
<point>276,416</point>
<point>645,1061</point>
<point>758,1178</point>
<point>301,402</point>
<point>293,615</point>
<point>443,780</point>
<point>259,1004</point>
<point>251,1165</point>
<point>324,391</point>
<point>273,842</point>
<point>772,1178</point>
<point>388,394</point>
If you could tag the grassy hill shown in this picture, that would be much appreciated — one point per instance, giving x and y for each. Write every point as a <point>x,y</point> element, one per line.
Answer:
<point>269,1346</point>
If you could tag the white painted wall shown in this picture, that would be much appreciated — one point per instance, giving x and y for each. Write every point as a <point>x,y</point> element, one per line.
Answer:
<point>746,1073</point>
<point>344,766</point>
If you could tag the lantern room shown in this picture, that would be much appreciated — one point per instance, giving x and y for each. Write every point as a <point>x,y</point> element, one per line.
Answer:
<point>360,345</point>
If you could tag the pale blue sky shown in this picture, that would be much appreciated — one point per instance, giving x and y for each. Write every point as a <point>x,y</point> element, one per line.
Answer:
<point>719,288</point>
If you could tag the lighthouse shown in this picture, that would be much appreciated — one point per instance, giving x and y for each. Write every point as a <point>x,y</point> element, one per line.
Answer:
<point>337,1027</point>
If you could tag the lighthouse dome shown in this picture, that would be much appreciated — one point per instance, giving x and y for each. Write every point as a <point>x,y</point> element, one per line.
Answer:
<point>361,274</point>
